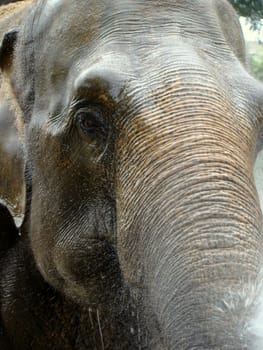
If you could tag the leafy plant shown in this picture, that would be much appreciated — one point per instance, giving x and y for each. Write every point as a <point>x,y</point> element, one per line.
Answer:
<point>252,9</point>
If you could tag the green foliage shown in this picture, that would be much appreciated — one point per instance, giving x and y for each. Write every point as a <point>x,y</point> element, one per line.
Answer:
<point>256,62</point>
<point>249,8</point>
<point>252,9</point>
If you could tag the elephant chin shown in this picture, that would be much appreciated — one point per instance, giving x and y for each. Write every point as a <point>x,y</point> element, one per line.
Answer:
<point>92,276</point>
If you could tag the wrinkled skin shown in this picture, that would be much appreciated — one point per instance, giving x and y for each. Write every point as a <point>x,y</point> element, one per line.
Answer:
<point>11,162</point>
<point>141,126</point>
<point>35,316</point>
<point>11,150</point>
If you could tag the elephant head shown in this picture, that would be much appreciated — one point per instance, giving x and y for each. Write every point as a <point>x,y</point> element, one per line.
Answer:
<point>141,124</point>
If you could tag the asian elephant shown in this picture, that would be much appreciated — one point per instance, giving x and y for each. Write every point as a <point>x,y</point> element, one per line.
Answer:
<point>141,124</point>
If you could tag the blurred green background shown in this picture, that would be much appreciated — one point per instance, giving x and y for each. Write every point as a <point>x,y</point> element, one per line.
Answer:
<point>251,12</point>
<point>256,60</point>
<point>254,42</point>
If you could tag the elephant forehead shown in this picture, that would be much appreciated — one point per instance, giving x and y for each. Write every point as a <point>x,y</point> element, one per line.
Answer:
<point>73,24</point>
<point>150,40</point>
<point>145,32</point>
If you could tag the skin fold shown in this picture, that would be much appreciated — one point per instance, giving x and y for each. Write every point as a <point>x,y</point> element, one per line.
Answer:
<point>35,316</point>
<point>141,125</point>
<point>11,149</point>
<point>11,160</point>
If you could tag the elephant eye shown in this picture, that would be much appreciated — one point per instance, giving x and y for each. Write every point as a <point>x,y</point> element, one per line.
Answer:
<point>90,121</point>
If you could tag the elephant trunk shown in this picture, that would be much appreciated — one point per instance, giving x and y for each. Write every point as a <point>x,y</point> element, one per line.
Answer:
<point>190,238</point>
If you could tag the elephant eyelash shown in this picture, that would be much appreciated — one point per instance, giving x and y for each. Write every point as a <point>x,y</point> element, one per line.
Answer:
<point>75,104</point>
<point>64,119</point>
<point>78,104</point>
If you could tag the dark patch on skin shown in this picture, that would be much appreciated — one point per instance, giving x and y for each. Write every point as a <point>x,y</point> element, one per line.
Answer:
<point>8,229</point>
<point>7,49</point>
<point>5,2</point>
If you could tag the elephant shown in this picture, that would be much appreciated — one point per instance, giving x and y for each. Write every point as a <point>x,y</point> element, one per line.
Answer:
<point>141,123</point>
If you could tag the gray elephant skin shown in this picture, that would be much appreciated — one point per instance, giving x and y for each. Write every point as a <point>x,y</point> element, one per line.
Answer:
<point>143,228</point>
<point>11,160</point>
<point>11,149</point>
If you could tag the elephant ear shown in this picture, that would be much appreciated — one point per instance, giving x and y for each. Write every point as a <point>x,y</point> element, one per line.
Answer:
<point>7,49</point>
<point>8,230</point>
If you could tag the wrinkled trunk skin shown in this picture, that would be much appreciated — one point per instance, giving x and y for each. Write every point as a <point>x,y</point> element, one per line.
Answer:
<point>190,250</point>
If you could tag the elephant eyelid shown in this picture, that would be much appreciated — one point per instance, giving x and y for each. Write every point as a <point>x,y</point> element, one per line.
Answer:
<point>90,115</point>
<point>76,104</point>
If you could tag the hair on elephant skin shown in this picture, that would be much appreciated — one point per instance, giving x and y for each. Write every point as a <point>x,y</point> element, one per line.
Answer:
<point>142,226</point>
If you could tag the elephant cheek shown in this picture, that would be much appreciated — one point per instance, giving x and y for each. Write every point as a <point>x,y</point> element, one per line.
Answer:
<point>88,273</point>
